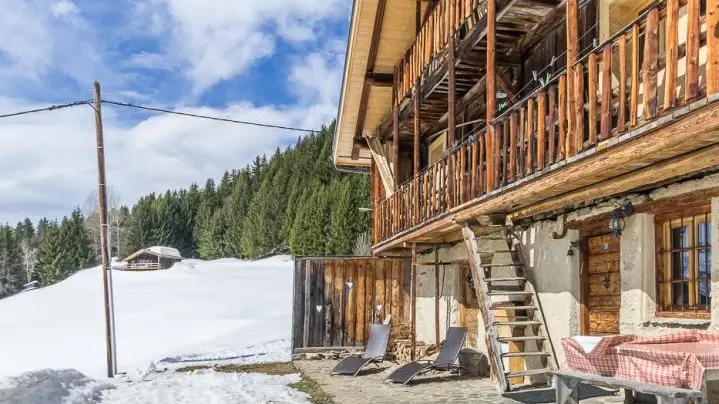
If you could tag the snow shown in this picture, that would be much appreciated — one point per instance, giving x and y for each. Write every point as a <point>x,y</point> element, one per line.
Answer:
<point>197,313</point>
<point>168,252</point>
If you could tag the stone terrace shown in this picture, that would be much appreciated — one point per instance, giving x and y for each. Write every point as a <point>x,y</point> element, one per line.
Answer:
<point>431,388</point>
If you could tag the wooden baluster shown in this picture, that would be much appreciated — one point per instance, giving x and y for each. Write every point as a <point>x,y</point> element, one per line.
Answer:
<point>521,164</point>
<point>634,98</point>
<point>671,37</point>
<point>512,146</point>
<point>712,46</point>
<point>505,151</point>
<point>579,108</point>
<point>475,161</point>
<point>562,118</point>
<point>497,147</point>
<point>650,67</point>
<point>530,137</point>
<point>691,88</point>
<point>622,115</point>
<point>552,135</point>
<point>481,172</point>
<point>606,120</point>
<point>462,165</point>
<point>541,128</point>
<point>592,97</point>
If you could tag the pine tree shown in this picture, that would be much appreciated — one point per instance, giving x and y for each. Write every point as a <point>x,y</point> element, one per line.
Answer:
<point>343,235</point>
<point>11,278</point>
<point>76,243</point>
<point>53,258</point>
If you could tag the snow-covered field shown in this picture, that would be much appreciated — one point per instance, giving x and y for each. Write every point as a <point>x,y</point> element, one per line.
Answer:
<point>219,312</point>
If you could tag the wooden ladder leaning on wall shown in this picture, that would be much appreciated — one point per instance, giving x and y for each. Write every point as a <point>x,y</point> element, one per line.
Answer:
<point>511,311</point>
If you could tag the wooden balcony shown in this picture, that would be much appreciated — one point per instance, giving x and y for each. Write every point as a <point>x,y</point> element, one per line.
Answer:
<point>644,114</point>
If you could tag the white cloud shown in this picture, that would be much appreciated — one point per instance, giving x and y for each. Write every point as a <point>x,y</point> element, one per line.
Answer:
<point>149,60</point>
<point>64,8</point>
<point>220,39</point>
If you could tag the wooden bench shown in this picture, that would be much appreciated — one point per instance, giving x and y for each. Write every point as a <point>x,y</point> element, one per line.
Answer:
<point>567,385</point>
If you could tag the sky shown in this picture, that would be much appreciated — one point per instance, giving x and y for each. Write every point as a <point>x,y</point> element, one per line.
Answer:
<point>272,61</point>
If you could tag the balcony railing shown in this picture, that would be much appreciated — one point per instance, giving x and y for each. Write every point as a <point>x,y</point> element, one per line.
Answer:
<point>624,78</point>
<point>447,17</point>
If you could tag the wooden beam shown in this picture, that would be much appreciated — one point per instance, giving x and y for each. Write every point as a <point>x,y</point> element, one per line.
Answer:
<point>382,162</point>
<point>689,163</point>
<point>371,60</point>
<point>436,296</point>
<point>491,92</point>
<point>417,132</point>
<point>413,297</point>
<point>451,100</point>
<point>379,79</point>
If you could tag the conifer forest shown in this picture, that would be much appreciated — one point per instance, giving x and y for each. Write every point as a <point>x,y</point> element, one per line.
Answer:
<point>291,202</point>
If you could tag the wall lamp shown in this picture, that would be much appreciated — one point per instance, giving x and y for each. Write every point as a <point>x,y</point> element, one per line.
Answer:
<point>616,223</point>
<point>572,246</point>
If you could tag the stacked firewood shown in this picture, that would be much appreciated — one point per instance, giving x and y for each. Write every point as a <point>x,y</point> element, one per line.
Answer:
<point>401,344</point>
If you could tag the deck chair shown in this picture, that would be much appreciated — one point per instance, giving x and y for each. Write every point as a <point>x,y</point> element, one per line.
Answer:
<point>374,352</point>
<point>444,362</point>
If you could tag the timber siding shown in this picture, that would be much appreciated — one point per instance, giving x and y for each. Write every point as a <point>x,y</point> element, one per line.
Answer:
<point>328,312</point>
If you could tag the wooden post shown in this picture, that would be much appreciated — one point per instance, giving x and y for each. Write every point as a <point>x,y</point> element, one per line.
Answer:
<point>395,140</point>
<point>512,146</point>
<point>491,93</point>
<point>578,108</point>
<point>104,248</point>
<point>562,141</point>
<point>416,155</point>
<point>592,99</point>
<point>541,128</point>
<point>650,68</point>
<point>622,115</point>
<point>436,296</point>
<point>451,101</point>
<point>712,46</point>
<point>693,34</point>
<point>606,120</point>
<point>413,297</point>
<point>572,43</point>
<point>672,54</point>
<point>634,97</point>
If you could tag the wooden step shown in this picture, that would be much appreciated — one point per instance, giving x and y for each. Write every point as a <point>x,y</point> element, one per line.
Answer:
<point>495,252</point>
<point>533,372</point>
<point>500,265</point>
<point>488,280</point>
<point>511,307</point>
<point>517,323</point>
<point>510,292</point>
<point>521,339</point>
<point>523,354</point>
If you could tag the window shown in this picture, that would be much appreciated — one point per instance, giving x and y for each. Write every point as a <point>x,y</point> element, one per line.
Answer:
<point>684,264</point>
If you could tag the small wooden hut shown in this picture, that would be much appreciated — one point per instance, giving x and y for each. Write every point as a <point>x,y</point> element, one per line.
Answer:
<point>151,259</point>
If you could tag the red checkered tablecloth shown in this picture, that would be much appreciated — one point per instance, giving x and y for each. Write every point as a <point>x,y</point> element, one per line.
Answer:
<point>602,360</point>
<point>674,360</point>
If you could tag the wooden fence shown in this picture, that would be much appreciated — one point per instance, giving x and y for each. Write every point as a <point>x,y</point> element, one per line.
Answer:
<point>337,298</point>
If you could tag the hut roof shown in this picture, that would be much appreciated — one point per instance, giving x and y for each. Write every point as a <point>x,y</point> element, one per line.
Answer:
<point>159,251</point>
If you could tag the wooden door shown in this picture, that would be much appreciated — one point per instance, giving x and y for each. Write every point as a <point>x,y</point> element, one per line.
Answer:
<point>602,285</point>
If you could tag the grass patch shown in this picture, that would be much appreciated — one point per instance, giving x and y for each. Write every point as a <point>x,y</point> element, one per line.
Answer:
<point>305,385</point>
<point>312,389</point>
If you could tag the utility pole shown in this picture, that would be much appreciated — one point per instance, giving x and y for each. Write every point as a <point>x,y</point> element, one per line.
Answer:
<point>104,251</point>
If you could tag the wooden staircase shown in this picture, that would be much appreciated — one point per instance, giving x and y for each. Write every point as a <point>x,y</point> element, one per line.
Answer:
<point>520,351</point>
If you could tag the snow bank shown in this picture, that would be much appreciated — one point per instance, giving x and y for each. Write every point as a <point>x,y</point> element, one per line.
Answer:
<point>227,310</point>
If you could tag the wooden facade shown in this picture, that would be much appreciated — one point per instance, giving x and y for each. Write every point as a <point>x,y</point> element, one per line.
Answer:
<point>535,114</point>
<point>148,260</point>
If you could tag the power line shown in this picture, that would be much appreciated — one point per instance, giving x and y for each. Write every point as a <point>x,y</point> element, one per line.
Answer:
<point>50,108</point>
<point>213,118</point>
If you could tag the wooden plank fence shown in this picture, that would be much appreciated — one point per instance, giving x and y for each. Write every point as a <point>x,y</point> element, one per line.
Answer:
<point>337,298</point>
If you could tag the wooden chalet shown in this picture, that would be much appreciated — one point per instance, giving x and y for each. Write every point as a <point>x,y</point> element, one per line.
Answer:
<point>151,259</point>
<point>560,157</point>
